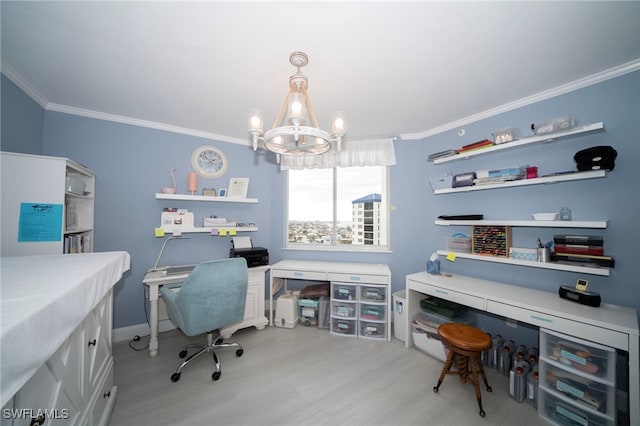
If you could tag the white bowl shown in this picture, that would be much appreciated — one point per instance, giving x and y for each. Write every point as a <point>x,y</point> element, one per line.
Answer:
<point>545,216</point>
<point>168,190</point>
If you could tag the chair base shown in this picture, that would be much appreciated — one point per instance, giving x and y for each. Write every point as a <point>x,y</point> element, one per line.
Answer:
<point>209,347</point>
<point>462,359</point>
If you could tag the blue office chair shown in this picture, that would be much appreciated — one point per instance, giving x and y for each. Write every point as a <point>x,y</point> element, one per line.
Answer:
<point>211,297</point>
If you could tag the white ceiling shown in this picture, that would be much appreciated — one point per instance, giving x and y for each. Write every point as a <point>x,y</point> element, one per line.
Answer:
<point>395,68</point>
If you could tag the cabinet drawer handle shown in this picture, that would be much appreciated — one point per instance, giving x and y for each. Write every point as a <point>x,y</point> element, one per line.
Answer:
<point>92,342</point>
<point>106,394</point>
<point>38,420</point>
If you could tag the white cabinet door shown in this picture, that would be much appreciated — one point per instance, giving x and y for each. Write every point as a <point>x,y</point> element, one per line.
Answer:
<point>70,388</point>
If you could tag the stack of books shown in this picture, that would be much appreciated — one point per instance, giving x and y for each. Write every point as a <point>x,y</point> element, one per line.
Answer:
<point>442,154</point>
<point>485,143</point>
<point>486,177</point>
<point>583,249</point>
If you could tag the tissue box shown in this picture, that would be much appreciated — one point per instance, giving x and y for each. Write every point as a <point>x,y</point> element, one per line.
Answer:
<point>433,267</point>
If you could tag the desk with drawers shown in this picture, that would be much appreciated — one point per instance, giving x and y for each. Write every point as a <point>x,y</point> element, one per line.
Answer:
<point>610,325</point>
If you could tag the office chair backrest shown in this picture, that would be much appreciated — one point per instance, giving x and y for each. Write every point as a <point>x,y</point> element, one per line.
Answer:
<point>212,296</point>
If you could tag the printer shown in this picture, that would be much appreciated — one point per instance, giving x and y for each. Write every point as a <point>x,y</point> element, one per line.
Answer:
<point>243,247</point>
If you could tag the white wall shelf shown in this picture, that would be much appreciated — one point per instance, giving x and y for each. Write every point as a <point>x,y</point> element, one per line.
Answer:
<point>201,229</point>
<point>600,224</point>
<point>566,177</point>
<point>188,197</point>
<point>593,270</point>
<point>551,137</point>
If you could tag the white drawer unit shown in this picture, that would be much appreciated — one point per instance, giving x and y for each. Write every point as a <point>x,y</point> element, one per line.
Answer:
<point>360,310</point>
<point>577,381</point>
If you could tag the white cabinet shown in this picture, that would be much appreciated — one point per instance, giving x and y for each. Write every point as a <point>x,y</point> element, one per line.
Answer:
<point>75,386</point>
<point>577,381</point>
<point>47,205</point>
<point>254,306</point>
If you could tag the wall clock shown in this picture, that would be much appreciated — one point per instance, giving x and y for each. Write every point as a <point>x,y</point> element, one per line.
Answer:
<point>209,162</point>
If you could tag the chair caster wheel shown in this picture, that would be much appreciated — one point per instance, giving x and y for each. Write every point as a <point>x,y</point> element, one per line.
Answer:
<point>216,375</point>
<point>435,389</point>
<point>489,389</point>
<point>239,352</point>
<point>482,413</point>
<point>175,377</point>
<point>183,353</point>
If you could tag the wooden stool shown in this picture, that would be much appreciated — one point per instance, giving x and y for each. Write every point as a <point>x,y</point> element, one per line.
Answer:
<point>465,344</point>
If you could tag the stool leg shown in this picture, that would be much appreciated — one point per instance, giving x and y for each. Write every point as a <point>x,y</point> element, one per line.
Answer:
<point>476,383</point>
<point>484,376</point>
<point>445,370</point>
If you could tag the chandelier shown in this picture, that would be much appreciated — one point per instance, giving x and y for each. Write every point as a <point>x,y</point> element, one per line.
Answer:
<point>296,130</point>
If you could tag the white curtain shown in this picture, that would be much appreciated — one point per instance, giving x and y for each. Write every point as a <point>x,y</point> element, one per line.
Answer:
<point>371,152</point>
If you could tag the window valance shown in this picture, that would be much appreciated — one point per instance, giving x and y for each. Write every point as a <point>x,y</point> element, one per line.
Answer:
<point>370,152</point>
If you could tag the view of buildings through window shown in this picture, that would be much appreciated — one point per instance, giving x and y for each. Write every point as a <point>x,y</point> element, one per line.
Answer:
<point>338,206</point>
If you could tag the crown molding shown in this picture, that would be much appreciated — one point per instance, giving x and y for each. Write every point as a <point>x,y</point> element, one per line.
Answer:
<point>23,84</point>
<point>144,123</point>
<point>547,94</point>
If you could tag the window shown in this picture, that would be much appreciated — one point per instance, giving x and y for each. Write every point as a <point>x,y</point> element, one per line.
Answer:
<point>343,208</point>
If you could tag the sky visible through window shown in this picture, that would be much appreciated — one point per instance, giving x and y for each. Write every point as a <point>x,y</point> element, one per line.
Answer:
<point>310,191</point>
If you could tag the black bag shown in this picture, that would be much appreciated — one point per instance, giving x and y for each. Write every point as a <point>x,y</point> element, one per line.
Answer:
<point>596,158</point>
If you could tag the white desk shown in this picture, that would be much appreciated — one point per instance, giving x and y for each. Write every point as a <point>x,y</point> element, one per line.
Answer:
<point>610,325</point>
<point>345,272</point>
<point>253,311</point>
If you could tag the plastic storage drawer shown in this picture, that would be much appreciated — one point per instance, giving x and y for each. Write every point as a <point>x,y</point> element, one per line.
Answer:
<point>577,380</point>
<point>376,294</point>
<point>372,312</point>
<point>558,411</point>
<point>343,310</point>
<point>373,330</point>
<point>340,291</point>
<point>344,327</point>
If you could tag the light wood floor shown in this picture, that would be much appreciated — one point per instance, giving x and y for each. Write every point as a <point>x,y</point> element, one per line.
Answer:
<point>303,376</point>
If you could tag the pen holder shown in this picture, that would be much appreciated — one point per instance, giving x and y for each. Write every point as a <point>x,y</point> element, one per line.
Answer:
<point>544,255</point>
<point>433,267</point>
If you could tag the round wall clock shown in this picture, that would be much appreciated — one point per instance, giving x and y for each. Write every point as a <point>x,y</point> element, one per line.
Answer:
<point>209,162</point>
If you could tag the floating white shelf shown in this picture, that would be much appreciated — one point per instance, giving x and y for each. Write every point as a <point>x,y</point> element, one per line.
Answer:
<point>602,224</point>
<point>593,270</point>
<point>551,137</point>
<point>566,177</point>
<point>188,197</point>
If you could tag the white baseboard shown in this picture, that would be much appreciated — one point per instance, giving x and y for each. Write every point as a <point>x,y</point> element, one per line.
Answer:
<point>123,334</point>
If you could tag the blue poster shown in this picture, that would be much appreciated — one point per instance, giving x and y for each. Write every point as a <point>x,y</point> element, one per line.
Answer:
<point>40,222</point>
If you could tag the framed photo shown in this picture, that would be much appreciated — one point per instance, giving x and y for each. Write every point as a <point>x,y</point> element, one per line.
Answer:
<point>238,187</point>
<point>222,192</point>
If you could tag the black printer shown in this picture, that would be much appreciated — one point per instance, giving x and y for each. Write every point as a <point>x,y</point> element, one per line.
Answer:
<point>255,256</point>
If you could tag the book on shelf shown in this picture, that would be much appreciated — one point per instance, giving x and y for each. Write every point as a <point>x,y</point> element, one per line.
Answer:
<point>485,143</point>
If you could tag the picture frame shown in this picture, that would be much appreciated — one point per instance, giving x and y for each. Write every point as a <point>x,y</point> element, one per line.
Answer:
<point>238,187</point>
<point>222,192</point>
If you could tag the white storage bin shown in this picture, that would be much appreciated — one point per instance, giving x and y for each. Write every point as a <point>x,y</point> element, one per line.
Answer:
<point>400,315</point>
<point>286,311</point>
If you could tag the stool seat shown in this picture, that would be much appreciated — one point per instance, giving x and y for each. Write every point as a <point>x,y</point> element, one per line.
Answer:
<point>465,337</point>
<point>465,344</point>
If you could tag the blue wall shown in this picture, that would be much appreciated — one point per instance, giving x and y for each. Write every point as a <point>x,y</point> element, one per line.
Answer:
<point>22,120</point>
<point>132,164</point>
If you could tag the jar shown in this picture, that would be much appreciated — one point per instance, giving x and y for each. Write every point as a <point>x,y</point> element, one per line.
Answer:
<point>565,213</point>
